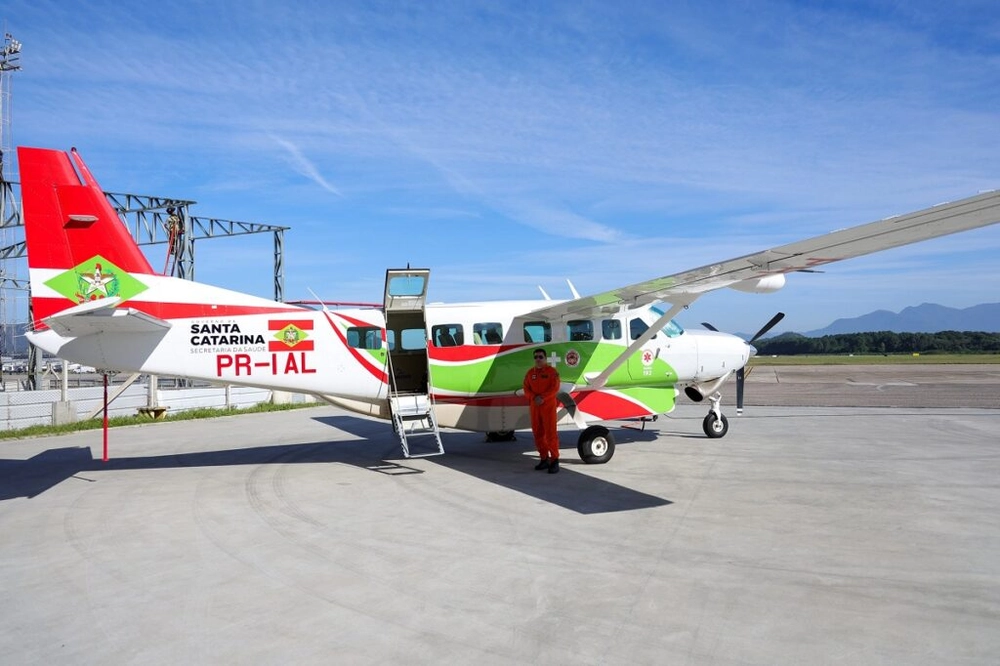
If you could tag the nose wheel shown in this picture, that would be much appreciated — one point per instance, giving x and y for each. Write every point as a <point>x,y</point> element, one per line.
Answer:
<point>715,424</point>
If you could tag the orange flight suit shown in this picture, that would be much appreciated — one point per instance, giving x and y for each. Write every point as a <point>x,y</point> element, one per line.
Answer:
<point>543,382</point>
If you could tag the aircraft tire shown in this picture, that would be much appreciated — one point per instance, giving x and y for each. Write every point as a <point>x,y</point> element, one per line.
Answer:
<point>714,427</point>
<point>500,436</point>
<point>596,445</point>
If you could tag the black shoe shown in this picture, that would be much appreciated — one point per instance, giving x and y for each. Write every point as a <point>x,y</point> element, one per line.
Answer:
<point>554,467</point>
<point>542,464</point>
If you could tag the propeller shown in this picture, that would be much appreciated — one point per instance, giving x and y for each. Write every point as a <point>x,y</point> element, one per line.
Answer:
<point>741,373</point>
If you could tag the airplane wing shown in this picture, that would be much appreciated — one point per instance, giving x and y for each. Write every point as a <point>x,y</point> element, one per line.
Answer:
<point>100,316</point>
<point>760,269</point>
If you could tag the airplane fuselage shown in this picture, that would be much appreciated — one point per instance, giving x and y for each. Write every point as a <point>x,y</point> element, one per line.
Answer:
<point>470,358</point>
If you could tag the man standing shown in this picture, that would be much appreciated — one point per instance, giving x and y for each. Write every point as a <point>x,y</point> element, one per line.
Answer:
<point>541,384</point>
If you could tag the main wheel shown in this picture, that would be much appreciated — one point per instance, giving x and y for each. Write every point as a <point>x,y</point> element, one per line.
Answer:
<point>715,427</point>
<point>596,445</point>
<point>500,436</point>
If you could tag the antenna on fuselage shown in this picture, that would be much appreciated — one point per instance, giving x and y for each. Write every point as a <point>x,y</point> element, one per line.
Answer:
<point>572,289</point>
<point>544,295</point>
<point>325,309</point>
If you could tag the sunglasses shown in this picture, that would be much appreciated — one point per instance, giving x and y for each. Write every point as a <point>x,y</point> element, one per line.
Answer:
<point>539,358</point>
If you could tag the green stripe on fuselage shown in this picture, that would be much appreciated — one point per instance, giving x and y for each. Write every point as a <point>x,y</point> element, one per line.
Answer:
<point>504,373</point>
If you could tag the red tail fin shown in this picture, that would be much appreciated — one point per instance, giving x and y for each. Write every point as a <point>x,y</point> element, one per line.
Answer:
<point>68,221</point>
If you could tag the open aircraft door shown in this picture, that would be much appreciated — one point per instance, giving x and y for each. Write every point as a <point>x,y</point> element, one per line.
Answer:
<point>406,336</point>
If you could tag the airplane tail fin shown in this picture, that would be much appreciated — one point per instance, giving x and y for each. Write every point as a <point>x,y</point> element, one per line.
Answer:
<point>76,244</point>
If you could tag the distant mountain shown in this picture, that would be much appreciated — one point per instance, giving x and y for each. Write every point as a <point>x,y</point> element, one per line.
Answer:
<point>925,318</point>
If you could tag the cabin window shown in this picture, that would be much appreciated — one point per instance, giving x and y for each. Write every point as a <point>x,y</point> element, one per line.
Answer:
<point>637,327</point>
<point>537,331</point>
<point>488,333</point>
<point>611,329</point>
<point>578,330</point>
<point>412,339</point>
<point>365,337</point>
<point>447,335</point>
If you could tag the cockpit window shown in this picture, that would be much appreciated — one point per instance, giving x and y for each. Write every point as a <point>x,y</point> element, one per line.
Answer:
<point>672,328</point>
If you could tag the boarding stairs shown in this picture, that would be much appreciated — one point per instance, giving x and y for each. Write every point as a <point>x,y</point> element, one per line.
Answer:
<point>413,420</point>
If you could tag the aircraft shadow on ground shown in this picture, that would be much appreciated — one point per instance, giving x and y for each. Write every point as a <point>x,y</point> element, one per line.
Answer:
<point>507,464</point>
<point>511,465</point>
<point>29,478</point>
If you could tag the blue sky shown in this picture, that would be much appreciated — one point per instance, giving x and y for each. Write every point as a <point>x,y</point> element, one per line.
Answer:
<point>507,145</point>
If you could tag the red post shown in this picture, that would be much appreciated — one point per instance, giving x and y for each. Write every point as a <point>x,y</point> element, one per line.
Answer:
<point>105,417</point>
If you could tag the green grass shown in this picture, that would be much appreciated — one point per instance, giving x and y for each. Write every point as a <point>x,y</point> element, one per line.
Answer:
<point>876,359</point>
<point>119,421</point>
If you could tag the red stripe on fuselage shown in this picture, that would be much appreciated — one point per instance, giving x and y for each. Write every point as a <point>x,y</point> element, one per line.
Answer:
<point>467,353</point>
<point>608,406</point>
<point>46,307</point>
<point>365,363</point>
<point>601,404</point>
<point>486,401</point>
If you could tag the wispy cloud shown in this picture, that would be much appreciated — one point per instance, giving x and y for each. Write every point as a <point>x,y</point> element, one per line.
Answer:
<point>603,142</point>
<point>303,166</point>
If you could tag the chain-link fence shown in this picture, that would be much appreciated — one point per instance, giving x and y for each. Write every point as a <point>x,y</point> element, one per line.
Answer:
<point>20,409</point>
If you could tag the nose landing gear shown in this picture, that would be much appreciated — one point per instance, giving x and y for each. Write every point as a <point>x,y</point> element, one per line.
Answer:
<point>715,424</point>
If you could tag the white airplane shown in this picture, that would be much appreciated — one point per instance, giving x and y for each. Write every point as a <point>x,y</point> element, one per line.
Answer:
<point>97,301</point>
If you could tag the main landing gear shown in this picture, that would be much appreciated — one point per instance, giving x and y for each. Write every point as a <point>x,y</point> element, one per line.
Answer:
<point>596,445</point>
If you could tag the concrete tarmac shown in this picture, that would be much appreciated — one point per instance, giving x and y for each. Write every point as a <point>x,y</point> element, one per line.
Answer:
<point>809,534</point>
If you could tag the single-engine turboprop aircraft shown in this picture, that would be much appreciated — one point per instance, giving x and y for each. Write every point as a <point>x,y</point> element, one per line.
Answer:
<point>97,301</point>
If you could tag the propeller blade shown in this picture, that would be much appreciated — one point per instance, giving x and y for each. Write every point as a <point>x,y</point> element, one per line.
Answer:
<point>768,326</point>
<point>740,376</point>
<point>709,326</point>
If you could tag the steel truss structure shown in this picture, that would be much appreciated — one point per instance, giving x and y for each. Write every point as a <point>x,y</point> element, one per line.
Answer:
<point>146,218</point>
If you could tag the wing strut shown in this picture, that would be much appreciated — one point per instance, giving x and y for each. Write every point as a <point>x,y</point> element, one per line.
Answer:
<point>600,380</point>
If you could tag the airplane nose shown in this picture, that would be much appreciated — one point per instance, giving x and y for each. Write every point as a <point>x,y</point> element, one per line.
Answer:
<point>753,350</point>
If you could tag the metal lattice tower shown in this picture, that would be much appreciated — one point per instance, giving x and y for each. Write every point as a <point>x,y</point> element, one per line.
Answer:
<point>145,217</point>
<point>10,62</point>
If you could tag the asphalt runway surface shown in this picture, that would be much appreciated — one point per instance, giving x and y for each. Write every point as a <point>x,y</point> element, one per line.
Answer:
<point>971,385</point>
<point>809,534</point>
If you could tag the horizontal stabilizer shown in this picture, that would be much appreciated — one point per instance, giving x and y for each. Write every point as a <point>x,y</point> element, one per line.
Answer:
<point>101,316</point>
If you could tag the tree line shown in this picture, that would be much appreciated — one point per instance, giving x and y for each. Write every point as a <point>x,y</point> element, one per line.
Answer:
<point>883,342</point>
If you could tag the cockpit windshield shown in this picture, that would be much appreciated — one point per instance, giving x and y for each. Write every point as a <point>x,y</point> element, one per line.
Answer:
<point>672,329</point>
